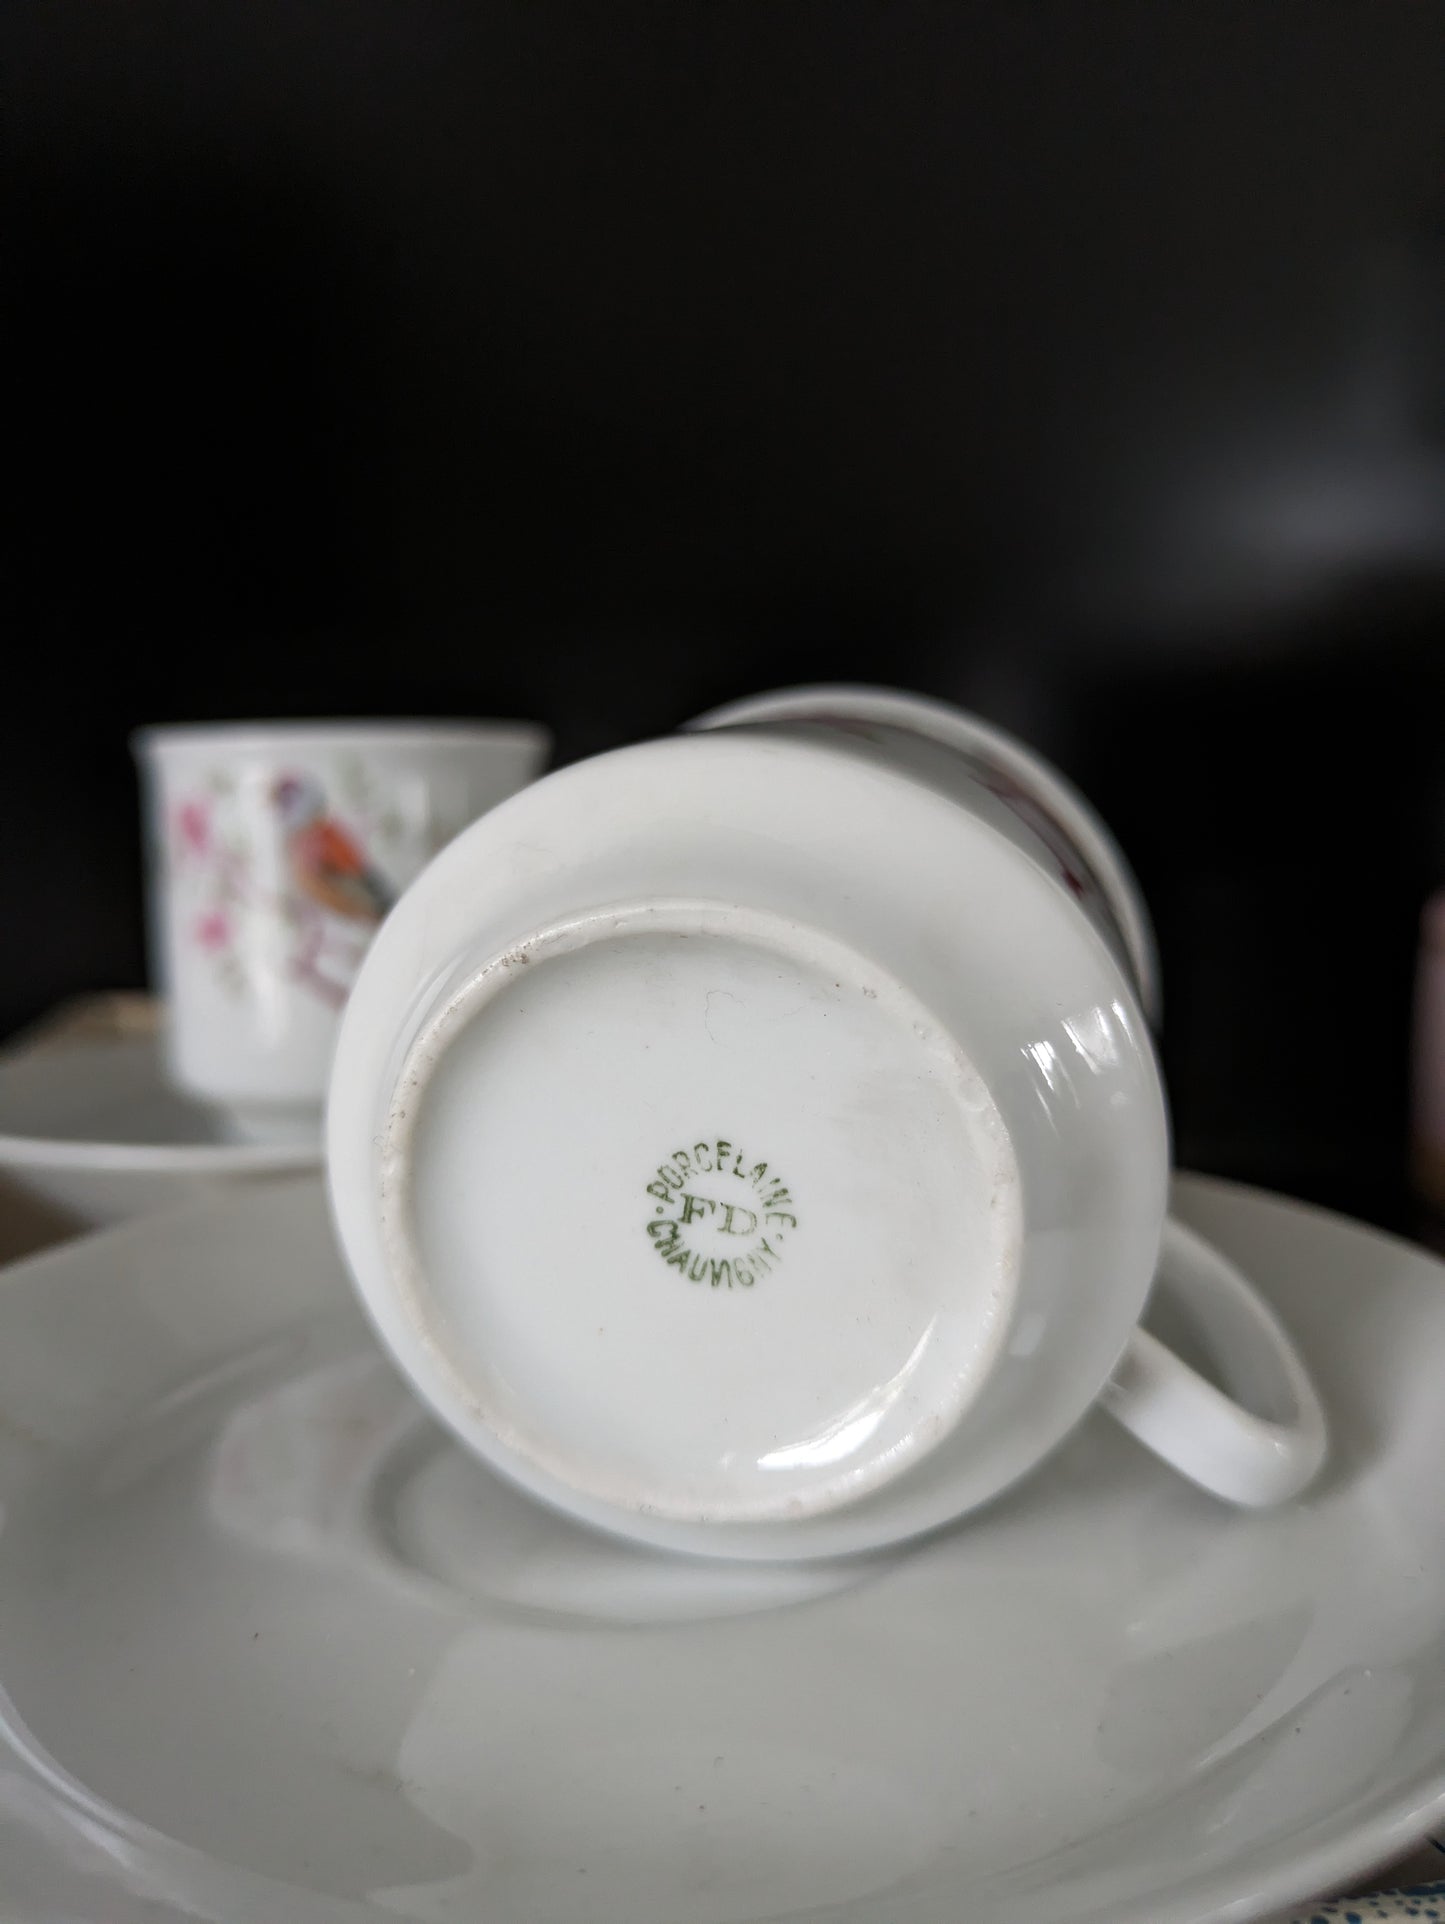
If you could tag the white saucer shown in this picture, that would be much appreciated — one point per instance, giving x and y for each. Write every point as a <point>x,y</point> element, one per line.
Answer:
<point>92,1128</point>
<point>272,1648</point>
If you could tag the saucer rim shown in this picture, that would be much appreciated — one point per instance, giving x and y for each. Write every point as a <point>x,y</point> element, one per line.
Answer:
<point>24,1149</point>
<point>158,1158</point>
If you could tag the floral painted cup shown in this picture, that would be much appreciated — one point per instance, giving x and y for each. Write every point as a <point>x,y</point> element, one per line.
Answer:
<point>275,851</point>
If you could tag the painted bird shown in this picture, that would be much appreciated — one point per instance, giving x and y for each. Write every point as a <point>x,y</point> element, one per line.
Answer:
<point>328,865</point>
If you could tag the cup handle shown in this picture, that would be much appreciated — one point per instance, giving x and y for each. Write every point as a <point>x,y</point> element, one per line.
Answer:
<point>1246,1458</point>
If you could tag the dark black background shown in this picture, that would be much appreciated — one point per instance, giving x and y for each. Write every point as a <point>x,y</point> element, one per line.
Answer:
<point>1082,362</point>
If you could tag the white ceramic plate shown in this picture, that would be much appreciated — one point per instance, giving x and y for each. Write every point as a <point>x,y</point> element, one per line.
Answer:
<point>272,1648</point>
<point>92,1128</point>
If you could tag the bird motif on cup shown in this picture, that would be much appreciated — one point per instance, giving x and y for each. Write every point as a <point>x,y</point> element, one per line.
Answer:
<point>329,868</point>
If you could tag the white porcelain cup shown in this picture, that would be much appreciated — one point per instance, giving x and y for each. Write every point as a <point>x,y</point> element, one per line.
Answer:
<point>752,1142</point>
<point>275,850</point>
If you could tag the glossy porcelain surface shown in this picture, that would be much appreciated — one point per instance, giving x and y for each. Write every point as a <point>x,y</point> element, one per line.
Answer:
<point>1098,872</point>
<point>276,850</point>
<point>732,1337</point>
<point>946,1150</point>
<point>95,1130</point>
<point>751,1143</point>
<point>273,1647</point>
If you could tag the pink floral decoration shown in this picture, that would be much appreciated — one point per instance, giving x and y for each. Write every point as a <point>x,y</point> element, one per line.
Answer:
<point>213,930</point>
<point>193,827</point>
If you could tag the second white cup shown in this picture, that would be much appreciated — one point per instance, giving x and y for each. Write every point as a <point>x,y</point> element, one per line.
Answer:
<point>275,851</point>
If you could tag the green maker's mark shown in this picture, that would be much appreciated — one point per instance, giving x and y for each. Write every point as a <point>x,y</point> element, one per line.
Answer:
<point>717,1218</point>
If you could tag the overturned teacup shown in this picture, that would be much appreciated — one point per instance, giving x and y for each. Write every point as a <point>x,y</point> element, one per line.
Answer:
<point>752,1142</point>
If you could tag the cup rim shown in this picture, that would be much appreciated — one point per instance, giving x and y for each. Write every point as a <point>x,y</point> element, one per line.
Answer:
<point>257,736</point>
<point>961,729</point>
